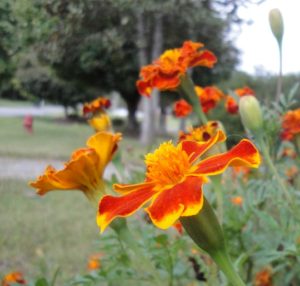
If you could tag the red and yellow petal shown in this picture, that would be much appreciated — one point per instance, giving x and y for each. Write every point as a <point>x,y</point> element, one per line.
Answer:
<point>112,207</point>
<point>127,188</point>
<point>184,199</point>
<point>196,149</point>
<point>243,154</point>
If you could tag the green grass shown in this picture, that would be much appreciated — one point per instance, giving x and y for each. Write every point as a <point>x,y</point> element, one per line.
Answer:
<point>14,103</point>
<point>39,234</point>
<point>51,138</point>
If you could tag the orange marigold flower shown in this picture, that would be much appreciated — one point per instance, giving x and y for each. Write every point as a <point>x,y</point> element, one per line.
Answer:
<point>209,97</point>
<point>100,122</point>
<point>202,133</point>
<point>244,91</point>
<point>94,262</point>
<point>96,105</point>
<point>174,180</point>
<point>230,103</point>
<point>263,278</point>
<point>165,72</point>
<point>238,200</point>
<point>13,278</point>
<point>291,124</point>
<point>85,169</point>
<point>182,108</point>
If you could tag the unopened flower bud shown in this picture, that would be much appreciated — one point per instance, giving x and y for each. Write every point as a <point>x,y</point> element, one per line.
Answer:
<point>250,112</point>
<point>276,24</point>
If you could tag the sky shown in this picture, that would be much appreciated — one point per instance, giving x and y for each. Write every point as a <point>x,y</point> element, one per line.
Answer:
<point>257,43</point>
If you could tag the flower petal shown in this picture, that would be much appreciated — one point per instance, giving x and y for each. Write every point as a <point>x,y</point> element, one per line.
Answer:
<point>112,207</point>
<point>184,199</point>
<point>105,145</point>
<point>196,149</point>
<point>243,154</point>
<point>127,188</point>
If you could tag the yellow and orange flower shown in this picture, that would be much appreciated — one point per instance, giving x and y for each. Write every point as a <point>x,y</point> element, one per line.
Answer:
<point>182,108</point>
<point>230,103</point>
<point>202,133</point>
<point>237,200</point>
<point>263,278</point>
<point>291,124</point>
<point>96,105</point>
<point>94,262</point>
<point>209,97</point>
<point>165,72</point>
<point>174,180</point>
<point>85,169</point>
<point>100,122</point>
<point>13,278</point>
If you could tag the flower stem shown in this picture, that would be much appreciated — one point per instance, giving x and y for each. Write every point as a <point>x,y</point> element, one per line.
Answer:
<point>223,261</point>
<point>207,233</point>
<point>216,181</point>
<point>187,90</point>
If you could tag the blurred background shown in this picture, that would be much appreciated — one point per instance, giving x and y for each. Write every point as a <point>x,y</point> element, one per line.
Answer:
<point>56,55</point>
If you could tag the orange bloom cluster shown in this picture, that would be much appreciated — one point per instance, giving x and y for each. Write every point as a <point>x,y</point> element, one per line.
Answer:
<point>182,108</point>
<point>230,103</point>
<point>96,105</point>
<point>13,278</point>
<point>95,110</point>
<point>291,124</point>
<point>174,180</point>
<point>94,262</point>
<point>85,169</point>
<point>238,200</point>
<point>240,171</point>
<point>202,133</point>
<point>165,72</point>
<point>209,97</point>
<point>263,278</point>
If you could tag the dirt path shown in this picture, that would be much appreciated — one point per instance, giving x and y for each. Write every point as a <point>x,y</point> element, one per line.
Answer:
<point>29,169</point>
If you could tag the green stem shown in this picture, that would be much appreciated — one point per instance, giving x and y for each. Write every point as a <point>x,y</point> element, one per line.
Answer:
<point>223,261</point>
<point>207,233</point>
<point>187,90</point>
<point>279,78</point>
<point>140,261</point>
<point>269,162</point>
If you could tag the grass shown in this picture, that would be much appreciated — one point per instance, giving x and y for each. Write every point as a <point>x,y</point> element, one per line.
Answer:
<point>14,103</point>
<point>51,138</point>
<point>39,234</point>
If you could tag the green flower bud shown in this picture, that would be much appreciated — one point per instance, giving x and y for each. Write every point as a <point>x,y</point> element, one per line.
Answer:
<point>250,112</point>
<point>276,24</point>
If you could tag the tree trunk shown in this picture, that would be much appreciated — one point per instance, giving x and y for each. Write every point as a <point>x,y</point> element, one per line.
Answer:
<point>150,105</point>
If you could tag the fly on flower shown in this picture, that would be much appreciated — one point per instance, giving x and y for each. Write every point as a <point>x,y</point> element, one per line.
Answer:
<point>165,73</point>
<point>85,169</point>
<point>174,180</point>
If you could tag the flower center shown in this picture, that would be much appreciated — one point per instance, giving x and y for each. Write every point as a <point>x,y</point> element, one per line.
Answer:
<point>167,165</point>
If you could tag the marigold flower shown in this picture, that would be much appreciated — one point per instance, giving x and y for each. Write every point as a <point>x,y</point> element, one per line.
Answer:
<point>101,122</point>
<point>238,200</point>
<point>290,124</point>
<point>230,103</point>
<point>182,108</point>
<point>13,278</point>
<point>94,262</point>
<point>174,180</point>
<point>85,169</point>
<point>263,278</point>
<point>96,105</point>
<point>165,72</point>
<point>209,97</point>
<point>202,133</point>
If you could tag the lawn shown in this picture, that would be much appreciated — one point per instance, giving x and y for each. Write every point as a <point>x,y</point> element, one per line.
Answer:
<point>40,234</point>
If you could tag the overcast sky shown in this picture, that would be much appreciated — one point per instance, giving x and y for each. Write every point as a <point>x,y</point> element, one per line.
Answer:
<point>259,47</point>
